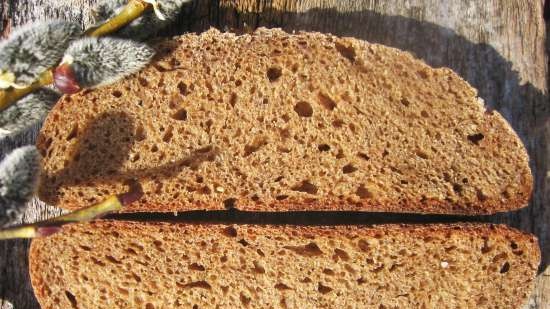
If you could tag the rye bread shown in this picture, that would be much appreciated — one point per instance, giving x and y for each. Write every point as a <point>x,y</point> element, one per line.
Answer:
<point>272,121</point>
<point>117,264</point>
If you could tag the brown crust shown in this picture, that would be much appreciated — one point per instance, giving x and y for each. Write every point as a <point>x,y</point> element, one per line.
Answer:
<point>527,241</point>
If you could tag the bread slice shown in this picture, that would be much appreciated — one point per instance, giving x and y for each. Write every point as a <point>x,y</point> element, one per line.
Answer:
<point>154,265</point>
<point>273,121</point>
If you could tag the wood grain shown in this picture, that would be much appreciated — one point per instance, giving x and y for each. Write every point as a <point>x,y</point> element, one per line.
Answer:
<point>499,46</point>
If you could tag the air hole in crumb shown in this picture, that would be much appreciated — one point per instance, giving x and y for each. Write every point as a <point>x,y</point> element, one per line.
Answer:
<point>347,52</point>
<point>198,284</point>
<point>486,248</point>
<point>85,248</point>
<point>155,148</point>
<point>363,245</point>
<point>230,231</point>
<point>143,82</point>
<point>475,138</point>
<point>258,143</point>
<point>424,114</point>
<point>196,267</point>
<point>303,109</point>
<point>363,192</point>
<point>274,73</point>
<point>230,203</point>
<point>72,299</point>
<point>168,135</point>
<point>481,195</point>
<point>457,188</point>
<point>323,289</point>
<point>140,134</point>
<point>326,101</point>
<point>281,287</point>
<point>112,259</point>
<point>348,169</point>
<point>233,99</point>
<point>513,245</point>
<point>505,268</point>
<point>328,271</point>
<point>243,242</point>
<point>422,154</point>
<point>309,250</point>
<point>363,156</point>
<point>73,133</point>
<point>258,268</point>
<point>338,123</point>
<point>180,115</point>
<point>182,87</point>
<point>285,117</point>
<point>340,254</point>
<point>281,197</point>
<point>306,187</point>
<point>116,94</point>
<point>245,300</point>
<point>323,147</point>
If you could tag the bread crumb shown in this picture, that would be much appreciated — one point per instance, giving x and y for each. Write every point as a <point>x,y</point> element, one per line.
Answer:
<point>444,264</point>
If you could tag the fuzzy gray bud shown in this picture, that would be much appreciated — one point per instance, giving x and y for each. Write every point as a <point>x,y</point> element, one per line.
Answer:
<point>19,172</point>
<point>101,61</point>
<point>29,112</point>
<point>144,27</point>
<point>35,48</point>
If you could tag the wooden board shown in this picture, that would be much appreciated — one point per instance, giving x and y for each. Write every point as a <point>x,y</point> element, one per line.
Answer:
<point>499,46</point>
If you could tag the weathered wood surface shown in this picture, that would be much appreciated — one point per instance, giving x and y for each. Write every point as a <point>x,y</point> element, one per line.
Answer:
<point>499,46</point>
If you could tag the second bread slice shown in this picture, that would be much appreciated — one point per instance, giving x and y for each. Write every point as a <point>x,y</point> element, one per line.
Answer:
<point>274,121</point>
<point>152,266</point>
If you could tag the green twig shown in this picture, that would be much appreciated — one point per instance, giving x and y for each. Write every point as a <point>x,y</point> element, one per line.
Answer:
<point>45,228</point>
<point>133,10</point>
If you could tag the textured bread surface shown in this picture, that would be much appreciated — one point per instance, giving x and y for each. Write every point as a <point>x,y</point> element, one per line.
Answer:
<point>272,121</point>
<point>155,265</point>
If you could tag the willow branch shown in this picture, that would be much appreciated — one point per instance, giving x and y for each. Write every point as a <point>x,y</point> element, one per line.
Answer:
<point>12,95</point>
<point>45,228</point>
<point>133,10</point>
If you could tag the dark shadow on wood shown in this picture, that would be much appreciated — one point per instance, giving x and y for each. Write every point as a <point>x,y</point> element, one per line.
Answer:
<point>14,264</point>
